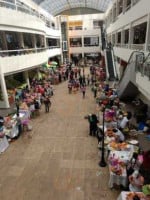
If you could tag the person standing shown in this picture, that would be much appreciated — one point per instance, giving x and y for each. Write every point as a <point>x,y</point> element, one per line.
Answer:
<point>47,104</point>
<point>19,125</point>
<point>93,121</point>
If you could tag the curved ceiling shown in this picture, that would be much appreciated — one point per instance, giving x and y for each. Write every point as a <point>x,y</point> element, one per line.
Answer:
<point>55,7</point>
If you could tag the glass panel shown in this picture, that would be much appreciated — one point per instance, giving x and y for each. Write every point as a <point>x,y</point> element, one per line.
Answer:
<point>75,42</point>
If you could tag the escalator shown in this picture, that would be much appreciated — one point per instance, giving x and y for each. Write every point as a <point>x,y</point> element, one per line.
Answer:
<point>127,88</point>
<point>109,58</point>
<point>110,64</point>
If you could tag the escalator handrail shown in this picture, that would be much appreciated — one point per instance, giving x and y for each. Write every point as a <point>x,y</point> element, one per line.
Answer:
<point>129,61</point>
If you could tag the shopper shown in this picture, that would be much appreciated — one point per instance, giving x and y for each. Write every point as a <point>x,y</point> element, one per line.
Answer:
<point>93,121</point>
<point>136,181</point>
<point>47,104</point>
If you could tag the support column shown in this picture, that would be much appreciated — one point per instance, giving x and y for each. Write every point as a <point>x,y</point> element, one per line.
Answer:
<point>26,75</point>
<point>117,8</point>
<point>20,40</point>
<point>33,40</point>
<point>124,6</point>
<point>147,39</point>
<point>122,37</point>
<point>131,35</point>
<point>4,89</point>
<point>4,42</point>
<point>116,39</point>
<point>113,15</point>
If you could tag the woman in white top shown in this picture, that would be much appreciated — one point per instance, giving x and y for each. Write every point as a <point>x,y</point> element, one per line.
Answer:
<point>136,182</point>
<point>124,123</point>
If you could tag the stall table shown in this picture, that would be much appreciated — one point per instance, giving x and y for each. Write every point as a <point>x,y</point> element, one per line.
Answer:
<point>122,179</point>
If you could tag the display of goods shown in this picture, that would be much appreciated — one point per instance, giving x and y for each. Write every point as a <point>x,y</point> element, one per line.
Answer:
<point>135,196</point>
<point>118,146</point>
<point>116,170</point>
<point>146,189</point>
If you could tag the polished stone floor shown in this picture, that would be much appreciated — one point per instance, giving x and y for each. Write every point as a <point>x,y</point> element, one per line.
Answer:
<point>60,161</point>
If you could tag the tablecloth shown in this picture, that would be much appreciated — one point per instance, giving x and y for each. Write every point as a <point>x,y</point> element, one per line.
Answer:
<point>122,179</point>
<point>118,179</point>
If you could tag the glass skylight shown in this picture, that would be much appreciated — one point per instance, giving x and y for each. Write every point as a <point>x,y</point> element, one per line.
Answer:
<point>54,7</point>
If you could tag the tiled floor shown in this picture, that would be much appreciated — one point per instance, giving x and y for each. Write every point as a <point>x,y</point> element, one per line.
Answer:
<point>60,161</point>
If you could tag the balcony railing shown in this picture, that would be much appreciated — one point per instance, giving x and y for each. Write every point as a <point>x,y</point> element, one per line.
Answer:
<point>53,47</point>
<point>18,52</point>
<point>139,47</point>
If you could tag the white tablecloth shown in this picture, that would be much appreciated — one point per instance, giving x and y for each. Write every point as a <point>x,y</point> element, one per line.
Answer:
<point>118,179</point>
<point>124,156</point>
<point>3,144</point>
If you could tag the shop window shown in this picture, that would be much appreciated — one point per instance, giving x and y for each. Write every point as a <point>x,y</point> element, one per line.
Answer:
<point>119,37</point>
<point>27,40</point>
<point>140,33</point>
<point>75,42</point>
<point>12,41</point>
<point>126,41</point>
<point>97,24</point>
<point>91,41</point>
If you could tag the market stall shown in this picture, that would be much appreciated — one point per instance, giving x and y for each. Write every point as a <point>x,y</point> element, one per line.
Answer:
<point>118,160</point>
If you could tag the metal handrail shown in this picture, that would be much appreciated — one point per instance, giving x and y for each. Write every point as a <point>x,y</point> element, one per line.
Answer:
<point>130,60</point>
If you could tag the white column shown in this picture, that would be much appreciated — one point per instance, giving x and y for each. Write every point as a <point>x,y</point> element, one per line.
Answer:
<point>21,40</point>
<point>3,88</point>
<point>131,35</point>
<point>4,42</point>
<point>124,6</point>
<point>113,15</point>
<point>26,75</point>
<point>117,8</point>
<point>116,38</point>
<point>33,40</point>
<point>147,39</point>
<point>122,37</point>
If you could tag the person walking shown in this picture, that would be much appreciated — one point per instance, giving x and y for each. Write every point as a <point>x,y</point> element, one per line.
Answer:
<point>83,90</point>
<point>95,91</point>
<point>47,104</point>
